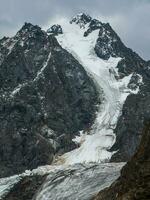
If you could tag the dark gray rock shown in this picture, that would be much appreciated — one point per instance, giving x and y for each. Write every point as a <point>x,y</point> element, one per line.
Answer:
<point>93,25</point>
<point>81,19</point>
<point>56,29</point>
<point>109,44</point>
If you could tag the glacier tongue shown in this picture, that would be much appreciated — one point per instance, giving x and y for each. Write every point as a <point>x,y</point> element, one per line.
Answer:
<point>72,182</point>
<point>96,144</point>
<point>78,181</point>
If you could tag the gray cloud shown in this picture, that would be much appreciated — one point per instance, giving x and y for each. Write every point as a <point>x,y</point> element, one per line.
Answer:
<point>130,18</point>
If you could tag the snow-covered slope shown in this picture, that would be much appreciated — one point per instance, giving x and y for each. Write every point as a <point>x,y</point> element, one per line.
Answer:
<point>95,144</point>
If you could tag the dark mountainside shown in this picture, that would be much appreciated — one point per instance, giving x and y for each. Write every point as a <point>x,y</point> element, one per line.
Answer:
<point>134,182</point>
<point>45,98</point>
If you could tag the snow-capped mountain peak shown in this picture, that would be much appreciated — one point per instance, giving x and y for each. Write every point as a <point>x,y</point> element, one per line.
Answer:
<point>81,19</point>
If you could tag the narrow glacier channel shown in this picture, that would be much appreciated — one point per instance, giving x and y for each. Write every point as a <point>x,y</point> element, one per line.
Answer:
<point>94,146</point>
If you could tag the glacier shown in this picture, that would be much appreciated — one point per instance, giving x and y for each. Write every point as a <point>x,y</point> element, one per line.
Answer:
<point>95,145</point>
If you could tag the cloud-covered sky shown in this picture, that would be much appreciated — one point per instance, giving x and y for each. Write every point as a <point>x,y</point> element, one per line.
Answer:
<point>129,18</point>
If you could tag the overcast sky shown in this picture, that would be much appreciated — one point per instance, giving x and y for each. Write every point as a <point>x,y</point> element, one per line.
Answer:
<point>129,18</point>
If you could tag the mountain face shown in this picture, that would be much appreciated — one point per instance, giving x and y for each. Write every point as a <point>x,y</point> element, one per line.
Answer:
<point>135,110</point>
<point>46,97</point>
<point>134,182</point>
<point>75,91</point>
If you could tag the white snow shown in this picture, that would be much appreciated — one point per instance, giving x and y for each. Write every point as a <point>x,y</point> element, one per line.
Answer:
<point>94,146</point>
<point>42,69</point>
<point>17,89</point>
<point>10,45</point>
<point>39,73</point>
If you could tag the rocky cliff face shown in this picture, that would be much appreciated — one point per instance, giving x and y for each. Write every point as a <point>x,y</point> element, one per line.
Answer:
<point>134,182</point>
<point>46,97</point>
<point>135,110</point>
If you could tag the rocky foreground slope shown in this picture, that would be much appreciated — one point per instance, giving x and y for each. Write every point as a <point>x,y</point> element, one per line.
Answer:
<point>134,182</point>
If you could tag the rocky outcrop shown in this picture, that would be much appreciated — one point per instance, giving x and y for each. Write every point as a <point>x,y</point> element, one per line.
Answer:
<point>81,19</point>
<point>55,30</point>
<point>131,122</point>
<point>130,125</point>
<point>46,97</point>
<point>134,182</point>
